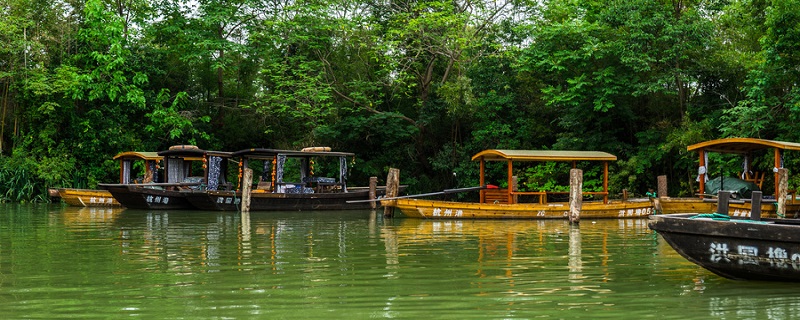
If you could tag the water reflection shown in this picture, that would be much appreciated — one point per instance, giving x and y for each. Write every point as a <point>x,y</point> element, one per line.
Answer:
<point>179,264</point>
<point>80,217</point>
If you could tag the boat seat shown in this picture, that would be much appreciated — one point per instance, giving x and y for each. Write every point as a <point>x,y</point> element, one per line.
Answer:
<point>495,195</point>
<point>756,177</point>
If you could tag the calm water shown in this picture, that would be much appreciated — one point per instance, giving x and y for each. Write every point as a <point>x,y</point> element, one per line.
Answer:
<point>61,262</point>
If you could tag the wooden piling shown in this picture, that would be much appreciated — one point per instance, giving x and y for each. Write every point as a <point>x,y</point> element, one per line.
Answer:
<point>373,186</point>
<point>575,195</point>
<point>722,201</point>
<point>662,186</point>
<point>392,186</point>
<point>247,177</point>
<point>783,186</point>
<point>755,206</point>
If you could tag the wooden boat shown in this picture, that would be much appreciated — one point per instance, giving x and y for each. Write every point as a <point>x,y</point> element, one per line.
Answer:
<point>735,248</point>
<point>496,203</point>
<point>747,147</point>
<point>181,163</point>
<point>276,191</point>
<point>103,198</point>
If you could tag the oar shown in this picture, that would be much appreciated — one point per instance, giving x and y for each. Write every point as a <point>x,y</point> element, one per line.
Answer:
<point>445,191</point>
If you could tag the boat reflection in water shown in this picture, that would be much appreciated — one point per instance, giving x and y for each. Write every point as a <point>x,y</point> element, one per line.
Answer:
<point>359,264</point>
<point>80,216</point>
<point>517,247</point>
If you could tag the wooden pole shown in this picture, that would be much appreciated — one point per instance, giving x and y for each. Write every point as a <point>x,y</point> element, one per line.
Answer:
<point>662,186</point>
<point>483,180</point>
<point>247,176</point>
<point>510,183</point>
<point>755,206</point>
<point>722,201</point>
<point>605,181</point>
<point>392,184</point>
<point>373,186</point>
<point>575,195</point>
<point>783,185</point>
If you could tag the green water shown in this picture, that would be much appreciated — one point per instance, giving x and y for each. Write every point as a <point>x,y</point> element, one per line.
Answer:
<point>61,262</point>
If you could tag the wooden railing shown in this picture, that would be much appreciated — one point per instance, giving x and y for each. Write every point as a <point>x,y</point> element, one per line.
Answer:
<point>501,195</point>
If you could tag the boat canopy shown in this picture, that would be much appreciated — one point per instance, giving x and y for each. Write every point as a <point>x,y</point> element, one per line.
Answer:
<point>138,155</point>
<point>742,145</point>
<point>278,158</point>
<point>543,155</point>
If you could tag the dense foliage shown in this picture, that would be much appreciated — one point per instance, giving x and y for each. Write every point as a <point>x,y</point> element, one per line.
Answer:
<point>420,85</point>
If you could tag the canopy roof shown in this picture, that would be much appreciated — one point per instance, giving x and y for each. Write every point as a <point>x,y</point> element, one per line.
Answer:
<point>742,145</point>
<point>269,153</point>
<point>138,155</point>
<point>543,155</point>
<point>192,153</point>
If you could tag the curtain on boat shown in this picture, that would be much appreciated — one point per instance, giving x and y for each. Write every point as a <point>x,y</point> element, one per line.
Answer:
<point>175,170</point>
<point>214,169</point>
<point>126,172</point>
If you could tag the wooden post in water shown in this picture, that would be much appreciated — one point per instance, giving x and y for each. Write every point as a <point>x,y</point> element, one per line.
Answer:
<point>662,186</point>
<point>624,195</point>
<point>755,206</point>
<point>392,184</point>
<point>783,185</point>
<point>247,178</point>
<point>373,186</point>
<point>722,201</point>
<point>575,195</point>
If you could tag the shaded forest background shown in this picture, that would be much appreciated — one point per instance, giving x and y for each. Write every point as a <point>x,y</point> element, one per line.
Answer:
<point>420,85</point>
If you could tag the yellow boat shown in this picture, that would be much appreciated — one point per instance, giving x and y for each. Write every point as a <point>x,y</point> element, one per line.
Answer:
<point>496,203</point>
<point>103,198</point>
<point>747,147</point>
<point>418,208</point>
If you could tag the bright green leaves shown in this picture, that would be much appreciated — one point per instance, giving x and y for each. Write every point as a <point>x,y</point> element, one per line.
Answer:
<point>772,93</point>
<point>172,119</point>
<point>105,70</point>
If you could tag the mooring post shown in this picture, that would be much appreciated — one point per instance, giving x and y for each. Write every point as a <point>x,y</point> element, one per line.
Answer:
<point>247,177</point>
<point>392,184</point>
<point>755,206</point>
<point>373,185</point>
<point>783,186</point>
<point>722,202</point>
<point>662,186</point>
<point>575,195</point>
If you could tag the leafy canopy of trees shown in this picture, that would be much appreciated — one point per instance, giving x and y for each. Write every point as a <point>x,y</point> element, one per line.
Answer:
<point>420,85</point>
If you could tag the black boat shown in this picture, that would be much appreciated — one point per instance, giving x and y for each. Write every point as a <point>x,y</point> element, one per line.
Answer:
<point>187,168</point>
<point>735,248</point>
<point>290,180</point>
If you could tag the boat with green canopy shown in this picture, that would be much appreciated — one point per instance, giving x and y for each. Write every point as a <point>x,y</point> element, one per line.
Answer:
<point>749,149</point>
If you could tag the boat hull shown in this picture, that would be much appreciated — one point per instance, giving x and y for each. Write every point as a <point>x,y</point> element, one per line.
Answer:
<point>265,201</point>
<point>143,197</point>
<point>666,205</point>
<point>87,197</point>
<point>417,208</point>
<point>734,249</point>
